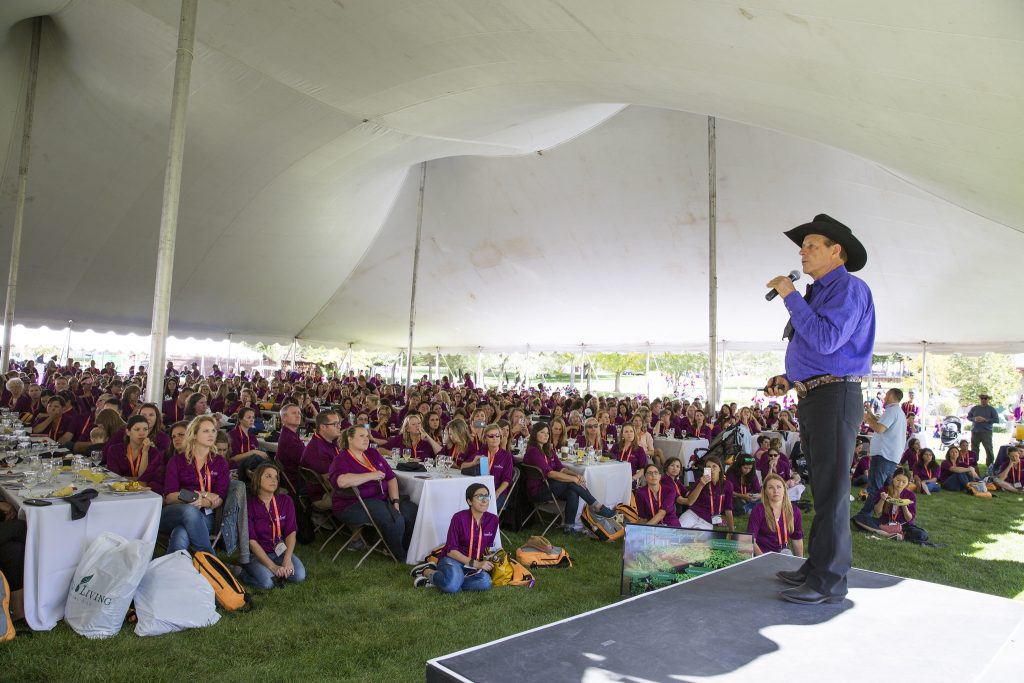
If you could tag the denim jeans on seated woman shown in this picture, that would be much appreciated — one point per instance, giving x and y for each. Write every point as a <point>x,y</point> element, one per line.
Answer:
<point>187,526</point>
<point>450,577</point>
<point>957,481</point>
<point>255,574</point>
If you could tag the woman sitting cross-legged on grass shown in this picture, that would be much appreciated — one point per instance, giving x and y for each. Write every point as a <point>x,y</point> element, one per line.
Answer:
<point>774,522</point>
<point>897,504</point>
<point>655,502</point>
<point>271,531</point>
<point>1010,479</point>
<point>565,484</point>
<point>957,471</point>
<point>471,534</point>
<point>926,473</point>
<point>746,488</point>
<point>710,499</point>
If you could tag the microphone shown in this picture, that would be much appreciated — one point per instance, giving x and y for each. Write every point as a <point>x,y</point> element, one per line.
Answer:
<point>794,275</point>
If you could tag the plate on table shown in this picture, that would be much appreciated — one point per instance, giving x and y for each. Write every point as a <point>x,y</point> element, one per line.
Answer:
<point>122,487</point>
<point>62,492</point>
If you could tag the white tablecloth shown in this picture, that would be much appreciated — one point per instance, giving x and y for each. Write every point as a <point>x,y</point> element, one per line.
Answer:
<point>682,449</point>
<point>54,543</point>
<point>610,482</point>
<point>438,499</point>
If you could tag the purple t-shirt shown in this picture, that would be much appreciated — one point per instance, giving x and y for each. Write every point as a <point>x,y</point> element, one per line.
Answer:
<point>648,503</point>
<point>534,456</point>
<point>909,458</point>
<point>894,513</point>
<point>678,486</point>
<point>261,526</point>
<point>182,474</point>
<point>707,505</point>
<point>241,442</point>
<point>739,486</point>
<point>421,450</point>
<point>469,537</point>
<point>347,464</point>
<point>289,453</point>
<point>153,476</point>
<point>500,466</point>
<point>932,473</point>
<point>636,457</point>
<point>318,456</point>
<point>782,467</point>
<point>773,541</point>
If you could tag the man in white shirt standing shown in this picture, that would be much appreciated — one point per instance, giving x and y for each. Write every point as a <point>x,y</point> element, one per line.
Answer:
<point>886,447</point>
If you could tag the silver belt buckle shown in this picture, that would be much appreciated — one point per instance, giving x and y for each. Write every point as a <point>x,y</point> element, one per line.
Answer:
<point>801,389</point>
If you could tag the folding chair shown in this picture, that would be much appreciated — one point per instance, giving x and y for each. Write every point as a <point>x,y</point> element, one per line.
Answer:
<point>516,474</point>
<point>357,533</point>
<point>321,506</point>
<point>553,507</point>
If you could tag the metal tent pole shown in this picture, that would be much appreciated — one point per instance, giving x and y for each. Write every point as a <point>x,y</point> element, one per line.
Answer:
<point>924,388</point>
<point>295,352</point>
<point>19,202</point>
<point>647,370</point>
<point>583,369</point>
<point>712,269</point>
<point>437,365</point>
<point>172,195</point>
<point>479,367</point>
<point>415,269</point>
<point>527,368</point>
<point>227,363</point>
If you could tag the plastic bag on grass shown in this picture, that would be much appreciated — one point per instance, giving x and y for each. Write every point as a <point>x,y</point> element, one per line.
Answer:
<point>104,584</point>
<point>173,596</point>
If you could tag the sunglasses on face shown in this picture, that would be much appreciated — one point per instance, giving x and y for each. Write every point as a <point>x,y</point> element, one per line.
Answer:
<point>482,496</point>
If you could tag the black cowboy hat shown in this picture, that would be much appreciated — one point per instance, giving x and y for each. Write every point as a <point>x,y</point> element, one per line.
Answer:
<point>825,225</point>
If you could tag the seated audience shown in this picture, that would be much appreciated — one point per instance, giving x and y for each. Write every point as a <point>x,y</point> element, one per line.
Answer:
<point>655,503</point>
<point>1010,479</point>
<point>926,473</point>
<point>746,487</point>
<point>775,522</point>
<point>463,565</point>
<point>710,499</point>
<point>199,471</point>
<point>272,532</point>
<point>135,456</point>
<point>957,471</point>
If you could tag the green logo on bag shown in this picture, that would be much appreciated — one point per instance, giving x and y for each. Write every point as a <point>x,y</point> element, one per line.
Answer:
<point>90,594</point>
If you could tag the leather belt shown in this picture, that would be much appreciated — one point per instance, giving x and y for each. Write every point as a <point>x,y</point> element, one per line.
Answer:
<point>809,385</point>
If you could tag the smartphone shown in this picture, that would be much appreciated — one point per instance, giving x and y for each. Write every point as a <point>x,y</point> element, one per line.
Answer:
<point>707,471</point>
<point>39,502</point>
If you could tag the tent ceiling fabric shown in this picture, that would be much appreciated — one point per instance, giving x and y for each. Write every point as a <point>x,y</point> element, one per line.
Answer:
<point>305,118</point>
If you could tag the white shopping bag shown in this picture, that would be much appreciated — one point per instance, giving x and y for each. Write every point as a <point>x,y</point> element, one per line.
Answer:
<point>104,584</point>
<point>173,596</point>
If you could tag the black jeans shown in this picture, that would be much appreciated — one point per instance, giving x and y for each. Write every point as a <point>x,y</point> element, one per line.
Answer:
<point>395,525</point>
<point>571,494</point>
<point>829,419</point>
<point>984,439</point>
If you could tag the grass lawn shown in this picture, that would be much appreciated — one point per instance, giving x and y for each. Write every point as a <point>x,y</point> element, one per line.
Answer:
<point>371,625</point>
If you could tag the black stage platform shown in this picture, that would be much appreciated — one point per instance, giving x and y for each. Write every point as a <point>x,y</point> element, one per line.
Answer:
<point>730,625</point>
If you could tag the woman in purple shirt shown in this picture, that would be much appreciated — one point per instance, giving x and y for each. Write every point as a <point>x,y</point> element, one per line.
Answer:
<point>628,450</point>
<point>774,522</point>
<point>243,443</point>
<point>746,488</point>
<point>926,473</point>
<point>698,430</point>
<point>564,484</point>
<point>272,530</point>
<point>499,463</point>
<point>956,471</point>
<point>412,438</point>
<point>673,479</point>
<point>710,499</point>
<point>360,467</point>
<point>896,505</point>
<point>911,455</point>
<point>462,565</point>
<point>655,503</point>
<point>135,456</point>
<point>200,471</point>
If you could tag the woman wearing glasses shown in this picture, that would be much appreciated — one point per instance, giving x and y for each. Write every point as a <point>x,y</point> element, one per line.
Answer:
<point>471,534</point>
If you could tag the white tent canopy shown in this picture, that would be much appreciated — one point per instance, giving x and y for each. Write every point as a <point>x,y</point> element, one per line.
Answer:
<point>297,216</point>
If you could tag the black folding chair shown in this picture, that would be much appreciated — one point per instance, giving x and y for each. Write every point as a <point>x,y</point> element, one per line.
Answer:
<point>553,507</point>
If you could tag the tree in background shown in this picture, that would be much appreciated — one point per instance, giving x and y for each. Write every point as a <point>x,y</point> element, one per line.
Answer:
<point>618,363</point>
<point>675,366</point>
<point>992,373</point>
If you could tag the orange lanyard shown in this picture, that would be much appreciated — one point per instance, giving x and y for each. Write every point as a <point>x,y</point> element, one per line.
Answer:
<point>455,455</point>
<point>781,532</point>
<point>678,491</point>
<point>365,463</point>
<point>479,541</point>
<point>337,451</point>
<point>209,475</point>
<point>625,455</point>
<point>650,501</point>
<point>275,521</point>
<point>133,465</point>
<point>55,429</point>
<point>1015,471</point>
<point>86,428</point>
<point>721,502</point>
<point>967,460</point>
<point>245,445</point>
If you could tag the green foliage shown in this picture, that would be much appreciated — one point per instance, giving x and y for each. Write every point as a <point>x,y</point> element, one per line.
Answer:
<point>618,363</point>
<point>992,373</point>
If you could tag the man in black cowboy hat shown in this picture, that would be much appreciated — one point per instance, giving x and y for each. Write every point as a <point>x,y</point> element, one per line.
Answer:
<point>983,416</point>
<point>831,333</point>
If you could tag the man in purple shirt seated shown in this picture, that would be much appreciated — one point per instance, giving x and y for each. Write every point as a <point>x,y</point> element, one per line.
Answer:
<point>290,446</point>
<point>831,333</point>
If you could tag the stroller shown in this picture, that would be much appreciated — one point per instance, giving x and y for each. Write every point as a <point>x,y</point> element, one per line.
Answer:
<point>951,430</point>
<point>726,446</point>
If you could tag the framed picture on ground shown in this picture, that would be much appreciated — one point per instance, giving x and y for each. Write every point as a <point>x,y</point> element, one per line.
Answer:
<point>657,556</point>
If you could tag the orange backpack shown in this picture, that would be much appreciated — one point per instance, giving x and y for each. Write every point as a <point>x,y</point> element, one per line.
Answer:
<point>229,593</point>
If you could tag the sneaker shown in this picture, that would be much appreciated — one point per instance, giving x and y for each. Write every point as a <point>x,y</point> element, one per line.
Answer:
<point>422,567</point>
<point>421,582</point>
<point>605,511</point>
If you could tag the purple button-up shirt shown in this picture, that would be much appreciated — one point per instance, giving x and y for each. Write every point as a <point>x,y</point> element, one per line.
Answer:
<point>834,333</point>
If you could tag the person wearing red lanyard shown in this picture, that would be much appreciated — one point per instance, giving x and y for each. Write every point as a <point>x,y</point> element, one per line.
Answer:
<point>775,522</point>
<point>198,472</point>
<point>272,531</point>
<point>956,472</point>
<point>243,443</point>
<point>628,450</point>
<point>655,503</point>
<point>412,438</point>
<point>363,468</point>
<point>710,499</point>
<point>746,488</point>
<point>673,478</point>
<point>174,409</point>
<point>136,457</point>
<point>698,430</point>
<point>1010,478</point>
<point>462,565</point>
<point>55,423</point>
<point>457,444</point>
<point>897,505</point>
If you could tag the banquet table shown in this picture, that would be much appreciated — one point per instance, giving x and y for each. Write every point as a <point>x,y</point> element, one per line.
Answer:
<point>438,498</point>
<point>54,543</point>
<point>680,448</point>
<point>610,482</point>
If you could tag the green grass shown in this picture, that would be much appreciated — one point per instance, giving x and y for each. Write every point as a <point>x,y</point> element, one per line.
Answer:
<point>370,624</point>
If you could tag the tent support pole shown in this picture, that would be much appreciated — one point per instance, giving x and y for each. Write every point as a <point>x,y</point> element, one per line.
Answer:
<point>227,365</point>
<point>527,364</point>
<point>583,369</point>
<point>437,365</point>
<point>479,367</point>
<point>19,204</point>
<point>647,370</point>
<point>415,269</point>
<point>172,195</point>
<point>924,388</point>
<point>348,361</point>
<point>712,269</point>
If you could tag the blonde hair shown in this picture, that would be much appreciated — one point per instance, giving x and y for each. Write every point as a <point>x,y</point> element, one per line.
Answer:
<point>563,437</point>
<point>458,432</point>
<point>404,431</point>
<point>192,431</point>
<point>787,504</point>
